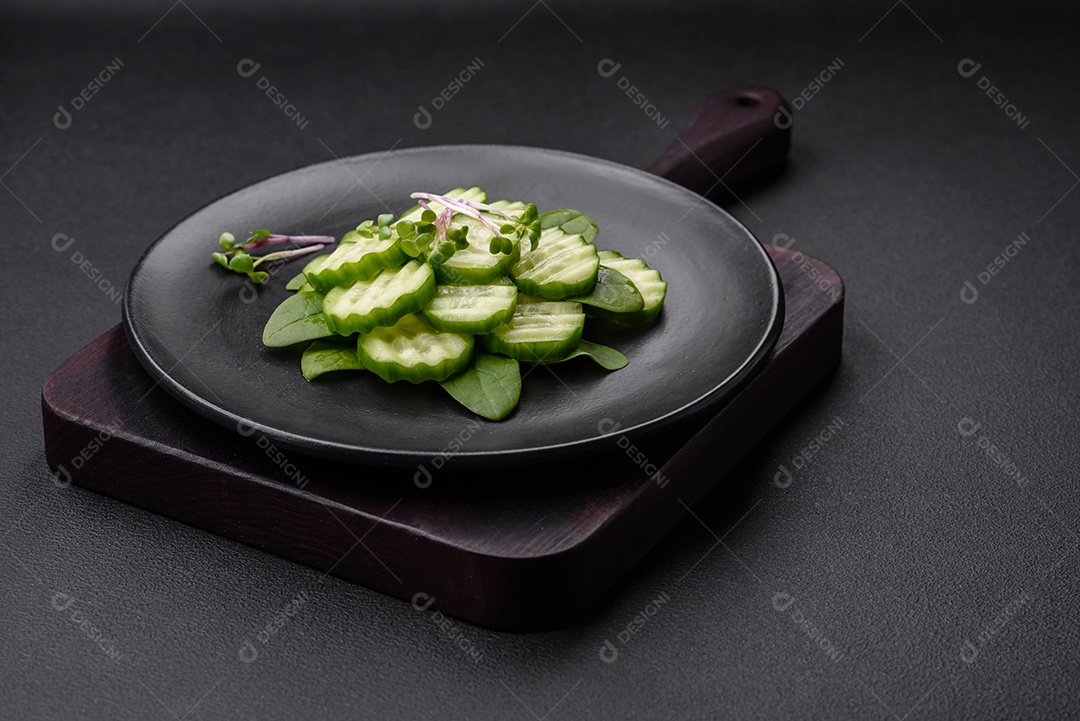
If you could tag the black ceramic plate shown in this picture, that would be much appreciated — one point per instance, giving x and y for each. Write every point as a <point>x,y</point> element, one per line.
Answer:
<point>198,332</point>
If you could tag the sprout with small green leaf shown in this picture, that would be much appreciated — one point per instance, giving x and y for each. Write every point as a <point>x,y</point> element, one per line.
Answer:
<point>507,230</point>
<point>237,258</point>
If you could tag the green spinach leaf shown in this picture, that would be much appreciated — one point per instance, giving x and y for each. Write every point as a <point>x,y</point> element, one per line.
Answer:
<point>329,354</point>
<point>613,292</point>
<point>573,222</point>
<point>299,318</point>
<point>605,356</point>
<point>490,387</point>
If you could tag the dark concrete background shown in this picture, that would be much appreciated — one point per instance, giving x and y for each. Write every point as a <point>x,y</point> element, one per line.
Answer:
<point>897,545</point>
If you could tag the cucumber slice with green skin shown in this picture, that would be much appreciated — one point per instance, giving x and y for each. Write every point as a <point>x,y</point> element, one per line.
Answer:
<point>541,330</point>
<point>472,308</point>
<point>359,259</point>
<point>298,281</point>
<point>573,222</point>
<point>412,350</point>
<point>562,265</point>
<point>380,301</point>
<point>476,264</point>
<point>649,283</point>
<point>299,318</point>
<point>509,208</point>
<point>474,194</point>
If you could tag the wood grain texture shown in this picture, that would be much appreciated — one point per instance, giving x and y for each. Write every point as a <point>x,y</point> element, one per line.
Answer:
<point>523,550</point>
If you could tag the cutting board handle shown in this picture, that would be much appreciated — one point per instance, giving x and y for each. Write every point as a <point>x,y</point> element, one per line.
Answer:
<point>735,140</point>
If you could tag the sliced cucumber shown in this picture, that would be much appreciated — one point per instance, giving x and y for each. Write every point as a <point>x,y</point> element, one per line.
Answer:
<point>472,308</point>
<point>649,283</point>
<point>298,281</point>
<point>509,208</point>
<point>412,350</point>
<point>540,330</point>
<point>476,263</point>
<point>355,260</point>
<point>562,265</point>
<point>380,301</point>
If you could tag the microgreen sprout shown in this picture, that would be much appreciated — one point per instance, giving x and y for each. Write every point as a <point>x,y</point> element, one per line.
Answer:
<point>432,236</point>
<point>237,258</point>
<point>507,231</point>
<point>435,239</point>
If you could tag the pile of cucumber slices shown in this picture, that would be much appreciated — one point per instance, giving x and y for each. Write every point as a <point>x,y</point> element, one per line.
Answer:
<point>459,291</point>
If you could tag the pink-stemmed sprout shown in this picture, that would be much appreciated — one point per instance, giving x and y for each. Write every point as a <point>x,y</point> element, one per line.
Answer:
<point>468,208</point>
<point>237,258</point>
<point>275,238</point>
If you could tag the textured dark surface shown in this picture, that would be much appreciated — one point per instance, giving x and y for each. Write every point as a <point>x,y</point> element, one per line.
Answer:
<point>898,541</point>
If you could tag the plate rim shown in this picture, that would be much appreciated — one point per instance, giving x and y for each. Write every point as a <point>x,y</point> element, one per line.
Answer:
<point>365,455</point>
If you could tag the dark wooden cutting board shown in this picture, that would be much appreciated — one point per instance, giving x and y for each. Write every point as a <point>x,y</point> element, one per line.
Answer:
<point>513,549</point>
